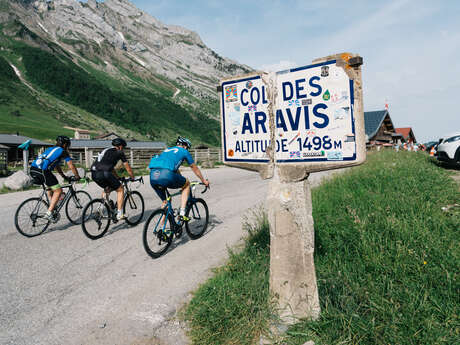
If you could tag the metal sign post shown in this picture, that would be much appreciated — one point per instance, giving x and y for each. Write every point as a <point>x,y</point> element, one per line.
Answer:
<point>286,125</point>
<point>25,154</point>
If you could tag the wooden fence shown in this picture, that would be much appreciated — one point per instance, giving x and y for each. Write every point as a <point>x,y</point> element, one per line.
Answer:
<point>141,158</point>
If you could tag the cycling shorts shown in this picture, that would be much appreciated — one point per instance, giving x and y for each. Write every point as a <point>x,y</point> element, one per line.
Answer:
<point>105,179</point>
<point>165,178</point>
<point>46,177</point>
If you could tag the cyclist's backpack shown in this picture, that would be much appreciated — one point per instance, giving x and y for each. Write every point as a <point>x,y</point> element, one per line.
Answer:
<point>46,158</point>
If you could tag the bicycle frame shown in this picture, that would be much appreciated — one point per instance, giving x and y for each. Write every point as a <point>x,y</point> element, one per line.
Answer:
<point>126,191</point>
<point>170,209</point>
<point>62,202</point>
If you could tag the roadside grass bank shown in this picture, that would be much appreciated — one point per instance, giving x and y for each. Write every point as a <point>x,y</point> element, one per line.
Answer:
<point>386,255</point>
<point>233,306</point>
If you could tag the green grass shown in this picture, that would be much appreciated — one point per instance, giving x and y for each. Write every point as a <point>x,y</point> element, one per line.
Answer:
<point>386,256</point>
<point>231,308</point>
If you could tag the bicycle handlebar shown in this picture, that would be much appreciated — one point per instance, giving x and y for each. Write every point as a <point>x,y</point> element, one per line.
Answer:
<point>201,183</point>
<point>127,179</point>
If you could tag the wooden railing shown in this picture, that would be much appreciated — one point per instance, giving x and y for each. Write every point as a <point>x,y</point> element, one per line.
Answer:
<point>141,158</point>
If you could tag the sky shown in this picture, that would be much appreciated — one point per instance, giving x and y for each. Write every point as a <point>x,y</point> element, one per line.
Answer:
<point>411,49</point>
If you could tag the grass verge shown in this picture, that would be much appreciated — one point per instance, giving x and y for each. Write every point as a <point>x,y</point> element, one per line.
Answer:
<point>233,306</point>
<point>387,255</point>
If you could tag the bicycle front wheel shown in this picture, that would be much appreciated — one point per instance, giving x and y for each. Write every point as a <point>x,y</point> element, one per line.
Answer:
<point>199,218</point>
<point>95,219</point>
<point>29,218</point>
<point>158,233</point>
<point>133,207</point>
<point>75,204</point>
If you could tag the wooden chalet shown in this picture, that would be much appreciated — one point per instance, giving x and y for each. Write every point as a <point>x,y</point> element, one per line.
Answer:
<point>380,130</point>
<point>407,133</point>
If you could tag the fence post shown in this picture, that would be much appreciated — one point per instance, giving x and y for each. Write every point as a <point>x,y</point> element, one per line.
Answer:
<point>131,157</point>
<point>195,156</point>
<point>87,159</point>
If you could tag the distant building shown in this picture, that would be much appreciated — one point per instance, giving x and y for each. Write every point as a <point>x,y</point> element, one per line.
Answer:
<point>379,128</point>
<point>12,141</point>
<point>82,134</point>
<point>3,159</point>
<point>407,133</point>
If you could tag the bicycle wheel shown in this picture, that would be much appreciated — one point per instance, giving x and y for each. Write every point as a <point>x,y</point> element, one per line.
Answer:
<point>75,204</point>
<point>95,219</point>
<point>158,233</point>
<point>29,219</point>
<point>133,207</point>
<point>199,218</point>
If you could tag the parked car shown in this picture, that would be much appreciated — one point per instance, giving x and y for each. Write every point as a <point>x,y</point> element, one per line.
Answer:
<point>448,149</point>
<point>429,145</point>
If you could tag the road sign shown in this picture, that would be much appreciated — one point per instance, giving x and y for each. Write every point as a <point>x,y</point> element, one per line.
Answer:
<point>303,116</point>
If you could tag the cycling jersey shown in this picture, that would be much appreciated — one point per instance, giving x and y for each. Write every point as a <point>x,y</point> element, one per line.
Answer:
<point>171,159</point>
<point>50,158</point>
<point>107,159</point>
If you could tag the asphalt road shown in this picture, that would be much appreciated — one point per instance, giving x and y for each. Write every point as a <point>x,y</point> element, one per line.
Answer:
<point>63,288</point>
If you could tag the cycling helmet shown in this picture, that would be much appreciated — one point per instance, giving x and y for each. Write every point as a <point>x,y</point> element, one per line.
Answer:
<point>62,140</point>
<point>183,141</point>
<point>119,142</point>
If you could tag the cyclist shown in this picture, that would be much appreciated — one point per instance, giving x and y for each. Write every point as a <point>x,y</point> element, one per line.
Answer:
<point>42,167</point>
<point>104,174</point>
<point>164,172</point>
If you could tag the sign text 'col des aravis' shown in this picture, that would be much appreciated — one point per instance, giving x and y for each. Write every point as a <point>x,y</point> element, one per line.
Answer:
<point>313,116</point>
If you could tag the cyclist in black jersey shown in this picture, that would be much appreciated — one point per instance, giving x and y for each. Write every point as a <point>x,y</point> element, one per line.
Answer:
<point>104,174</point>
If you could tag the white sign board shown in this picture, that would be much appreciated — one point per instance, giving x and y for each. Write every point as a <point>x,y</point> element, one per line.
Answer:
<point>313,116</point>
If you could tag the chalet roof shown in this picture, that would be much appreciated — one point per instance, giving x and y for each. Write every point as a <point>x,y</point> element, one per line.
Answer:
<point>13,139</point>
<point>373,120</point>
<point>101,144</point>
<point>406,132</point>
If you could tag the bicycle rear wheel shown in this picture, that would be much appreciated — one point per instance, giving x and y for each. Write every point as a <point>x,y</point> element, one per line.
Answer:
<point>199,218</point>
<point>133,208</point>
<point>95,219</point>
<point>29,218</point>
<point>158,233</point>
<point>75,204</point>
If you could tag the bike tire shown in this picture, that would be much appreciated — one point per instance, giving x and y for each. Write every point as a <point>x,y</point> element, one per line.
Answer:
<point>133,202</point>
<point>199,218</point>
<point>27,215</point>
<point>75,204</point>
<point>154,234</point>
<point>95,219</point>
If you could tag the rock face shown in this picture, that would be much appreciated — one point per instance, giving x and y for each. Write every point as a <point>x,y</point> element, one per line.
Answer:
<point>18,181</point>
<point>117,32</point>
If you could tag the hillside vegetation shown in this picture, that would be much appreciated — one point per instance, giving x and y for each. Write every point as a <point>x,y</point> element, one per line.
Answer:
<point>64,93</point>
<point>386,256</point>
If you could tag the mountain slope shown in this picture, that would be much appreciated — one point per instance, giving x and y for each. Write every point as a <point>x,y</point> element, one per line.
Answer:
<point>116,62</point>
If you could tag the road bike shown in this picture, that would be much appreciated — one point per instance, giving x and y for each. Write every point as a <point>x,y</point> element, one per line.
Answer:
<point>161,226</point>
<point>99,213</point>
<point>30,217</point>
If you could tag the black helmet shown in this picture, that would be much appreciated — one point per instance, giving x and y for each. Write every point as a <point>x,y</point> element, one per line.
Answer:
<point>183,141</point>
<point>62,140</point>
<point>119,142</point>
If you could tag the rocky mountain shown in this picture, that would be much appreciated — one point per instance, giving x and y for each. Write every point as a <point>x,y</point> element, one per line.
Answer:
<point>123,49</point>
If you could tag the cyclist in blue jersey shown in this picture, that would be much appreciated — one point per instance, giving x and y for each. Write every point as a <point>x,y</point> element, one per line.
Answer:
<point>42,167</point>
<point>164,172</point>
